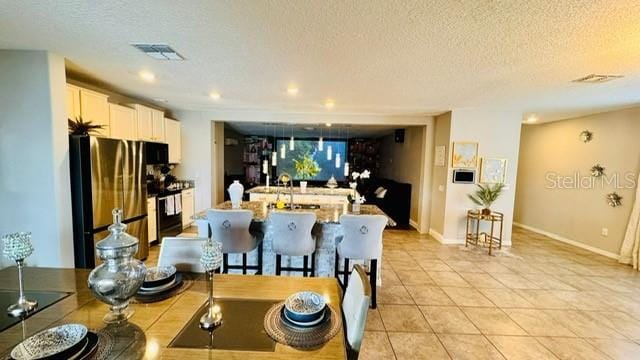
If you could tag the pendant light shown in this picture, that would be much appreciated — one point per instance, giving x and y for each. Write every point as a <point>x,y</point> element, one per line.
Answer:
<point>337,160</point>
<point>274,150</point>
<point>265,166</point>
<point>291,142</point>
<point>329,151</point>
<point>346,162</point>
<point>321,141</point>
<point>283,148</point>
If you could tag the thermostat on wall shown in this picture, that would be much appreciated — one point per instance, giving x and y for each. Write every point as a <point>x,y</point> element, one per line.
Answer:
<point>464,176</point>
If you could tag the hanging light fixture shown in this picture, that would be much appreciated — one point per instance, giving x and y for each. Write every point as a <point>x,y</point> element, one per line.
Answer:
<point>265,166</point>
<point>321,141</point>
<point>291,142</point>
<point>337,160</point>
<point>346,162</point>
<point>283,148</point>
<point>329,151</point>
<point>274,150</point>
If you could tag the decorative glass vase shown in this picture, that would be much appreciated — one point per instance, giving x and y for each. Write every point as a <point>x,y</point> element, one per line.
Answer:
<point>120,276</point>
<point>17,247</point>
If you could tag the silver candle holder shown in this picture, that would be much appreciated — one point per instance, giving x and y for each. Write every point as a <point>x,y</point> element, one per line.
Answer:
<point>17,247</point>
<point>211,260</point>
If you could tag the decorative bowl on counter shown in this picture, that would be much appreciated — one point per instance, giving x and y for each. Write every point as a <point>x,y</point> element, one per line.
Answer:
<point>304,307</point>
<point>158,276</point>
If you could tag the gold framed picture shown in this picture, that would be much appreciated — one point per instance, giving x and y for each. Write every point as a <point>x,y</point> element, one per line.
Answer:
<point>493,171</point>
<point>464,155</point>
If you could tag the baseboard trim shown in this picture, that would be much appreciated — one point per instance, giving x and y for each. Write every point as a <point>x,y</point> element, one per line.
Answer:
<point>568,241</point>
<point>414,225</point>
<point>436,235</point>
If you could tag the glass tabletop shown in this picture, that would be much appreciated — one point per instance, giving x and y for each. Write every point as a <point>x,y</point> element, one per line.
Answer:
<point>44,298</point>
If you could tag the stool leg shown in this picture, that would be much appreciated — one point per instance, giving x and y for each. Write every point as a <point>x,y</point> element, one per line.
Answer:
<point>313,264</point>
<point>278,264</point>
<point>259,272</point>
<point>305,263</point>
<point>335,267</point>
<point>244,263</point>
<point>225,263</point>
<point>345,280</point>
<point>373,280</point>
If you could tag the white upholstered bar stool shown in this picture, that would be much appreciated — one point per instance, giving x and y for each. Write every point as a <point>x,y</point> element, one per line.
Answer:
<point>355,306</point>
<point>361,239</point>
<point>182,252</point>
<point>291,236</point>
<point>231,228</point>
<point>204,230</point>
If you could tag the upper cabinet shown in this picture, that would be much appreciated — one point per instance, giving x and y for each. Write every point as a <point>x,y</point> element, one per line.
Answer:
<point>94,107</point>
<point>123,122</point>
<point>172,135</point>
<point>90,105</point>
<point>158,125</point>
<point>73,102</point>
<point>150,123</point>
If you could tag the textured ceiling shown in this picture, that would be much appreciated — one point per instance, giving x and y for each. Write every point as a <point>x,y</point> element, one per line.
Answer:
<point>371,56</point>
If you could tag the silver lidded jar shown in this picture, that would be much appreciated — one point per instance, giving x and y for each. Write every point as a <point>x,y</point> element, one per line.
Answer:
<point>120,275</point>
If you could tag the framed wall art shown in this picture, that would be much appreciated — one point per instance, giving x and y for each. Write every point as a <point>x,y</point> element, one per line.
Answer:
<point>464,155</point>
<point>493,171</point>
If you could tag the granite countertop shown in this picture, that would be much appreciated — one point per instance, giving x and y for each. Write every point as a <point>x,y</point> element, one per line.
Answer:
<point>296,190</point>
<point>326,214</point>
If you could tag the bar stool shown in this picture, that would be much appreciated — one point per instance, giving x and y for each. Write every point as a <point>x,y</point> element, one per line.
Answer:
<point>291,234</point>
<point>181,252</point>
<point>231,228</point>
<point>361,240</point>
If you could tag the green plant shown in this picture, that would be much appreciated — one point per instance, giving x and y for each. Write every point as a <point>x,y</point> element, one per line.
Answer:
<point>81,127</point>
<point>306,167</point>
<point>486,195</point>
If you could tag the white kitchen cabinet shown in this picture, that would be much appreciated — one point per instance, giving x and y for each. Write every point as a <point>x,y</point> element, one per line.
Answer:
<point>172,136</point>
<point>152,219</point>
<point>94,107</point>
<point>123,122</point>
<point>188,208</point>
<point>144,117</point>
<point>157,117</point>
<point>73,102</point>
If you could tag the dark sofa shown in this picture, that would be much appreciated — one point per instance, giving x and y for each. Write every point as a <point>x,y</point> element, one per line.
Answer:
<point>396,203</point>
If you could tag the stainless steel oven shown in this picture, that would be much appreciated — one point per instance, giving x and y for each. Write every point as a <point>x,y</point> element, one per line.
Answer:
<point>168,225</point>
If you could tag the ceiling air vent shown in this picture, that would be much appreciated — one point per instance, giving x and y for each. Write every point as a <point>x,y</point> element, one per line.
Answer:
<point>596,78</point>
<point>159,51</point>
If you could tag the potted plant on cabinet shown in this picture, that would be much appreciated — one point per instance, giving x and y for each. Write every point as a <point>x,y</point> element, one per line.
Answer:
<point>80,127</point>
<point>306,168</point>
<point>485,195</point>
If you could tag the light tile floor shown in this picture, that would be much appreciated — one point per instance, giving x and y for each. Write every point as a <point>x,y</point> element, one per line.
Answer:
<point>538,299</point>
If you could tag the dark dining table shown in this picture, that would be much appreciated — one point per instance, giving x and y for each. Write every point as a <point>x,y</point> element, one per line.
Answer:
<point>154,327</point>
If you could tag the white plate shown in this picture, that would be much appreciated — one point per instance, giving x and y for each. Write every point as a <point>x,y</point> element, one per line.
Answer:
<point>305,324</point>
<point>158,288</point>
<point>49,342</point>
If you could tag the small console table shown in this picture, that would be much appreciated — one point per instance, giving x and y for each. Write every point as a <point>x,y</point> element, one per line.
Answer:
<point>490,239</point>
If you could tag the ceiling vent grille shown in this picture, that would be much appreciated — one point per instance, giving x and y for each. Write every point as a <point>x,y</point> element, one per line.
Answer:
<point>596,79</point>
<point>159,51</point>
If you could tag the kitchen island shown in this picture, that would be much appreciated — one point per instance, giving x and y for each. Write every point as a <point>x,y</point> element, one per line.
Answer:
<point>311,195</point>
<point>326,230</point>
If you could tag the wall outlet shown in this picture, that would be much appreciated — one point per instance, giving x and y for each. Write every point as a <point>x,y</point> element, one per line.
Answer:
<point>605,232</point>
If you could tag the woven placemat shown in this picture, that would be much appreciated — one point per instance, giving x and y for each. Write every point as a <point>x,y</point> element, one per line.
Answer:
<point>300,338</point>
<point>187,282</point>
<point>105,345</point>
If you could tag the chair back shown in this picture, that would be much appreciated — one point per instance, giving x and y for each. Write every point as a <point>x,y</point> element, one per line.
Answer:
<point>355,305</point>
<point>231,228</point>
<point>291,232</point>
<point>362,236</point>
<point>183,253</point>
<point>203,228</point>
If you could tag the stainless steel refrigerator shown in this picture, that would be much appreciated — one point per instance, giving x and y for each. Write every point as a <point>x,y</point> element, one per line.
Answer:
<point>106,174</point>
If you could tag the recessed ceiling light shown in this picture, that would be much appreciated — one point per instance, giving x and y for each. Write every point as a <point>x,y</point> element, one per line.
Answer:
<point>160,100</point>
<point>293,90</point>
<point>147,76</point>
<point>531,119</point>
<point>329,104</point>
<point>214,95</point>
<point>328,124</point>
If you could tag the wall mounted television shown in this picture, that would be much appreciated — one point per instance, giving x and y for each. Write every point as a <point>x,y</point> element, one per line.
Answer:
<point>308,150</point>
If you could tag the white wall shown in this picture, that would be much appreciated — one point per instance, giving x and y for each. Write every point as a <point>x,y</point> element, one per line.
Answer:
<point>196,156</point>
<point>34,155</point>
<point>498,133</point>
